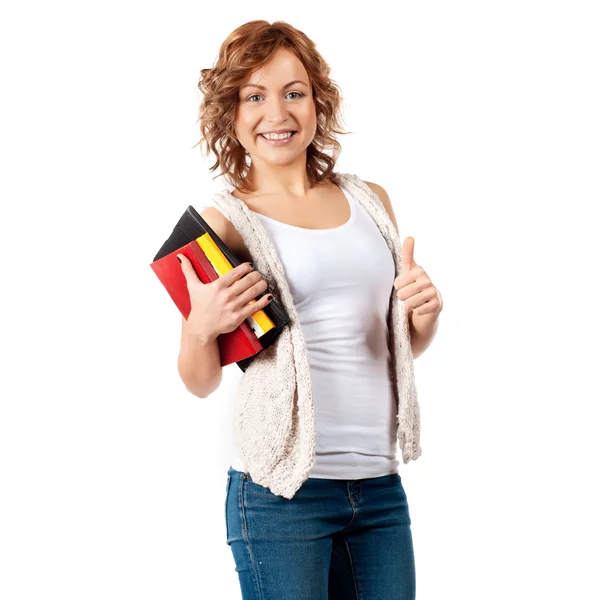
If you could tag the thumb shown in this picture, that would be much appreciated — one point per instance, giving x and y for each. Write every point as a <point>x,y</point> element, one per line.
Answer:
<point>408,249</point>
<point>187,268</point>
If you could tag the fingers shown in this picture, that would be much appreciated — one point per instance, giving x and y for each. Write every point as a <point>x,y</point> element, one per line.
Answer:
<point>226,280</point>
<point>236,273</point>
<point>252,307</point>
<point>188,269</point>
<point>257,285</point>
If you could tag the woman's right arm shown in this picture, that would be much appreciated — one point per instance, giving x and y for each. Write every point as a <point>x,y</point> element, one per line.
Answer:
<point>216,307</point>
<point>199,362</point>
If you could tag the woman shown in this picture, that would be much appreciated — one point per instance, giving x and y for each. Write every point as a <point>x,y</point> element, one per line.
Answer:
<point>269,110</point>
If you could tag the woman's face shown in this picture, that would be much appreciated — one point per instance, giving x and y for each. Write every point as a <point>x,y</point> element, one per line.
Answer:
<point>278,106</point>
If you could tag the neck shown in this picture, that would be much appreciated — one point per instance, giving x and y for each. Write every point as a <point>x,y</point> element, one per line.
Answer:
<point>277,180</point>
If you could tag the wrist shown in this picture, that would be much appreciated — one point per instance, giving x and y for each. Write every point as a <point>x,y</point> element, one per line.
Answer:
<point>198,335</point>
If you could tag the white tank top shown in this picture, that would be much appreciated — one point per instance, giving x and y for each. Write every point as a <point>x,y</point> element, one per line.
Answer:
<point>341,280</point>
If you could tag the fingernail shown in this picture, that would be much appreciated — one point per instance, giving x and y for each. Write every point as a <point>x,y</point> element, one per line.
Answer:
<point>178,258</point>
<point>270,297</point>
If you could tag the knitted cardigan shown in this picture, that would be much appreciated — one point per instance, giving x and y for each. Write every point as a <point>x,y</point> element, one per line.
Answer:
<point>274,422</point>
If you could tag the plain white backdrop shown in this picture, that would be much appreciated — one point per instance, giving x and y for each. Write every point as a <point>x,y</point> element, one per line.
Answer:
<point>481,121</point>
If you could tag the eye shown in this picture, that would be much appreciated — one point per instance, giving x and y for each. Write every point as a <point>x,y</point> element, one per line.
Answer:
<point>249,99</point>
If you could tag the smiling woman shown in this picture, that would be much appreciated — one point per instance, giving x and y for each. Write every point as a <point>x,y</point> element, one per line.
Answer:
<point>270,80</point>
<point>318,414</point>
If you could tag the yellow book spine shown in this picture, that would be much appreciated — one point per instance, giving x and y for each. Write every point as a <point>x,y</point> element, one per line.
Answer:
<point>260,322</point>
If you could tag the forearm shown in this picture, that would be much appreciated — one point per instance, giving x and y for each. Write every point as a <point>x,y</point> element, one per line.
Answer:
<point>422,331</point>
<point>199,365</point>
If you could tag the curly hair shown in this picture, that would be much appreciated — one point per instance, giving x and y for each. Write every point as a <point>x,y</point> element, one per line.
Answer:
<point>246,49</point>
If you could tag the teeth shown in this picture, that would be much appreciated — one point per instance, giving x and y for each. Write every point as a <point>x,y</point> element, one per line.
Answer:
<point>277,136</point>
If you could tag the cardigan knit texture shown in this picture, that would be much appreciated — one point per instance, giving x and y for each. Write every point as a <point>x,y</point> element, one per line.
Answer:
<point>274,419</point>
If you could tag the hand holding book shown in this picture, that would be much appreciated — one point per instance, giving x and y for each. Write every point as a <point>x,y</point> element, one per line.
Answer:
<point>224,304</point>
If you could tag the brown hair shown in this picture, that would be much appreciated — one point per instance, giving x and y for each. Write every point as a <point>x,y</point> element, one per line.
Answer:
<point>246,49</point>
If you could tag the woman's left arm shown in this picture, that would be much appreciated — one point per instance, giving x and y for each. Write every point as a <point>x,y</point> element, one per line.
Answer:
<point>422,300</point>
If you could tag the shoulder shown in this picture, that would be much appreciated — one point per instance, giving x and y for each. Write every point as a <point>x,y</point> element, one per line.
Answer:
<point>374,187</point>
<point>385,200</point>
<point>223,227</point>
<point>378,190</point>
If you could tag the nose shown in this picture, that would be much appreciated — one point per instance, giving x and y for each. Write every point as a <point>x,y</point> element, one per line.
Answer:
<point>276,111</point>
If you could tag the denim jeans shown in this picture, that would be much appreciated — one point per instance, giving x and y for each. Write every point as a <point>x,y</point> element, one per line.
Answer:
<point>336,539</point>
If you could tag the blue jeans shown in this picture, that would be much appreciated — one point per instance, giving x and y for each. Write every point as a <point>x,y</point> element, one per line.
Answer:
<point>336,539</point>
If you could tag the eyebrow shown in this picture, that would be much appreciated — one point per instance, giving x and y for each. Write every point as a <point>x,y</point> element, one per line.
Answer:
<point>262,87</point>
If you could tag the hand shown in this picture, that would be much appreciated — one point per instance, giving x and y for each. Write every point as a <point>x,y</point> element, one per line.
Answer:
<point>420,296</point>
<point>223,304</point>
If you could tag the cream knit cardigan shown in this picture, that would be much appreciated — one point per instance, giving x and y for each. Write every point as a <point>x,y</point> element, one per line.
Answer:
<point>273,412</point>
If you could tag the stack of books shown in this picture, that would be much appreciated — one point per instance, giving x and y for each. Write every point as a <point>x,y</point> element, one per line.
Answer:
<point>211,258</point>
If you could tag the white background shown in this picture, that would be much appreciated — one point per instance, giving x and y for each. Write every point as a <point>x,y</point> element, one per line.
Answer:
<point>480,119</point>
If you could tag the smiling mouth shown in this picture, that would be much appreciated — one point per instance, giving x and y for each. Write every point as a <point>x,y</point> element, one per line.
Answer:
<point>278,140</point>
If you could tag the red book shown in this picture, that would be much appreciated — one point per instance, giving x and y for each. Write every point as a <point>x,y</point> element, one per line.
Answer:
<point>235,345</point>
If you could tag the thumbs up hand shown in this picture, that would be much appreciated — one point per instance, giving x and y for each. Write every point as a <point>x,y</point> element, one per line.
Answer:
<point>420,296</point>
